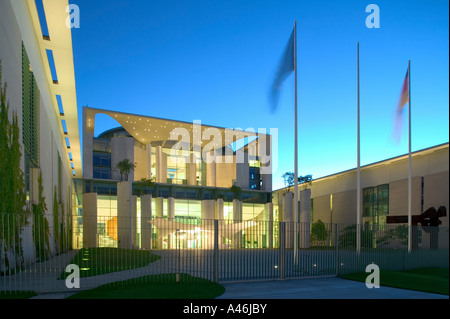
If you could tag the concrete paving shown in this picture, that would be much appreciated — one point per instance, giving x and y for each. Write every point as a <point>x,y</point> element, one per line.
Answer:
<point>318,288</point>
<point>312,288</point>
<point>45,282</point>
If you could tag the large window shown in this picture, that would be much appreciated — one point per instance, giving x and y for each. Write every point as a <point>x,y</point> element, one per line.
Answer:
<point>30,112</point>
<point>255,181</point>
<point>176,167</point>
<point>252,211</point>
<point>102,165</point>
<point>376,204</point>
<point>201,170</point>
<point>188,211</point>
<point>30,119</point>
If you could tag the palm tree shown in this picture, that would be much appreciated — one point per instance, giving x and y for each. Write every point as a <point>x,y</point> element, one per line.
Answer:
<point>144,183</point>
<point>125,167</point>
<point>236,190</point>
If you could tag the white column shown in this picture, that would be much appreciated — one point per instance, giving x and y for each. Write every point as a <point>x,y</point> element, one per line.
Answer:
<point>88,146</point>
<point>192,170</point>
<point>268,220</point>
<point>124,215</point>
<point>208,214</point>
<point>146,217</point>
<point>134,244</point>
<point>219,209</point>
<point>305,215</point>
<point>210,170</point>
<point>149,161</point>
<point>237,217</point>
<point>89,220</point>
<point>288,202</point>
<point>161,165</point>
<point>121,148</point>
<point>171,216</point>
<point>159,213</point>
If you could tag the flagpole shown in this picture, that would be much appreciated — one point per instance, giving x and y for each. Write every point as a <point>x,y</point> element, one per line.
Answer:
<point>409,163</point>
<point>295,152</point>
<point>358,171</point>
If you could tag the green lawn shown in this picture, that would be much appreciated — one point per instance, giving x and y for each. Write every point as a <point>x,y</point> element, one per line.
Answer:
<point>17,294</point>
<point>98,261</point>
<point>434,280</point>
<point>155,287</point>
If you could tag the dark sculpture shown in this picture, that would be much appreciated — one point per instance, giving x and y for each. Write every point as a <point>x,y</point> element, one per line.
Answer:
<point>431,216</point>
<point>429,220</point>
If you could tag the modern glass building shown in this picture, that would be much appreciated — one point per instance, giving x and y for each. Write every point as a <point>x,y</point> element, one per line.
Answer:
<point>190,172</point>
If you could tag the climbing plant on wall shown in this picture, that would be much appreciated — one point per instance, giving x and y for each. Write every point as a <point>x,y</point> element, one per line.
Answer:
<point>56,235</point>
<point>13,208</point>
<point>41,231</point>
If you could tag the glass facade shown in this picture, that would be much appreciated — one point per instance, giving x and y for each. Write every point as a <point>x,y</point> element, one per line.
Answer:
<point>376,204</point>
<point>255,181</point>
<point>186,211</point>
<point>101,161</point>
<point>176,166</point>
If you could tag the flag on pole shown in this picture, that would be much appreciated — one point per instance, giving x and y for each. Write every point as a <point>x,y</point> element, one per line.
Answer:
<point>286,66</point>
<point>404,98</point>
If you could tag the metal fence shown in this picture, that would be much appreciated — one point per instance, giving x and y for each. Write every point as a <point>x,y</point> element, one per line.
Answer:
<point>35,257</point>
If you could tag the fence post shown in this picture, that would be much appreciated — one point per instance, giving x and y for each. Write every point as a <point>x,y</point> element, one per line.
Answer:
<point>336,248</point>
<point>282,235</point>
<point>216,251</point>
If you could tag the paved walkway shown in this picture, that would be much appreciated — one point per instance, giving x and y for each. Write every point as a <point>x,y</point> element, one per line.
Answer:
<point>45,280</point>
<point>318,288</point>
<point>315,288</point>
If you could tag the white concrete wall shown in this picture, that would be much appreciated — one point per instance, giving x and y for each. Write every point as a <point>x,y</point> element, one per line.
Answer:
<point>90,220</point>
<point>146,216</point>
<point>142,164</point>
<point>14,31</point>
<point>121,148</point>
<point>124,215</point>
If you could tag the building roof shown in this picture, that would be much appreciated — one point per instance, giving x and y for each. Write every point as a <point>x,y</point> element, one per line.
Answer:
<point>148,129</point>
<point>388,161</point>
<point>59,43</point>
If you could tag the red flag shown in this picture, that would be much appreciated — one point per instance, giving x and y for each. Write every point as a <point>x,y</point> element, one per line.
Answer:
<point>404,98</point>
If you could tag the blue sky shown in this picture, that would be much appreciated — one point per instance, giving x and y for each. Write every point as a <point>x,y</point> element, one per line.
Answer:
<point>214,61</point>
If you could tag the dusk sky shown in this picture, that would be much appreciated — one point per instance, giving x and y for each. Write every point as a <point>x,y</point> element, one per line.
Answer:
<point>215,60</point>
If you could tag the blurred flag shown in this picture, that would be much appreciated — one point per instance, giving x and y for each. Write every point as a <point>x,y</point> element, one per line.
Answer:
<point>404,98</point>
<point>287,65</point>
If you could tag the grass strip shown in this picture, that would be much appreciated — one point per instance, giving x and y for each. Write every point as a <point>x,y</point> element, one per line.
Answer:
<point>17,294</point>
<point>163,286</point>
<point>433,280</point>
<point>99,261</point>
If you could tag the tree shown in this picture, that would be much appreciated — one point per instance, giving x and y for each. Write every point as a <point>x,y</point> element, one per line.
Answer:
<point>305,180</point>
<point>125,167</point>
<point>236,190</point>
<point>319,233</point>
<point>145,183</point>
<point>289,180</point>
